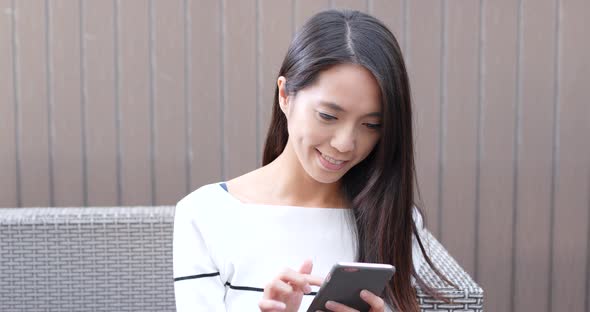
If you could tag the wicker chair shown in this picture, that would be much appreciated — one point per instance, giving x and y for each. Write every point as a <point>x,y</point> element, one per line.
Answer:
<point>120,259</point>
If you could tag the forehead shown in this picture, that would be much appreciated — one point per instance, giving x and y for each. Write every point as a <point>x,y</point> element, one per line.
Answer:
<point>349,86</point>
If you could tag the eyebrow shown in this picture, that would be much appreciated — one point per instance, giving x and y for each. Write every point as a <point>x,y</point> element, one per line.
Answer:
<point>339,108</point>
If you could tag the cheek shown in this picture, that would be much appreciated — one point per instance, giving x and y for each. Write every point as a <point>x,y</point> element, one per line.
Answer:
<point>308,133</point>
<point>316,136</point>
<point>367,145</point>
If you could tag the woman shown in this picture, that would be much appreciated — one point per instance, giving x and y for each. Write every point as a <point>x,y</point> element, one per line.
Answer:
<point>337,183</point>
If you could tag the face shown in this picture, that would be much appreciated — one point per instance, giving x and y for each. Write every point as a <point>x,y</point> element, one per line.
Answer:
<point>335,123</point>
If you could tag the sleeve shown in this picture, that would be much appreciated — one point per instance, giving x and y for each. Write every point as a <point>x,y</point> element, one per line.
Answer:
<point>197,282</point>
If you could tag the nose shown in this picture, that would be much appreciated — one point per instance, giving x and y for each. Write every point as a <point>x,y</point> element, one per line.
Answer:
<point>344,140</point>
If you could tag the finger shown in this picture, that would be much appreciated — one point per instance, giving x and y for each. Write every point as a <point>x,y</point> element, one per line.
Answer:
<point>376,302</point>
<point>269,305</point>
<point>315,280</point>
<point>339,307</point>
<point>306,267</point>
<point>295,279</point>
<point>277,288</point>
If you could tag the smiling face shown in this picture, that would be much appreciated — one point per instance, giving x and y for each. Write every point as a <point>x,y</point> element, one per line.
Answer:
<point>333,124</point>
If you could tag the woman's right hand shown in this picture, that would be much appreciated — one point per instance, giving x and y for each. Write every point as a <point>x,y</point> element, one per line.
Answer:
<point>284,293</point>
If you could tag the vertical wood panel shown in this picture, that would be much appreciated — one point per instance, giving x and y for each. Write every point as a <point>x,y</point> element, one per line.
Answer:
<point>424,65</point>
<point>360,5</point>
<point>239,87</point>
<point>32,96</point>
<point>391,13</point>
<point>275,27</point>
<point>134,101</point>
<point>304,9</point>
<point>536,94</point>
<point>460,139</point>
<point>8,178</point>
<point>99,97</point>
<point>205,91</point>
<point>497,153</point>
<point>64,51</point>
<point>169,102</point>
<point>86,91</point>
<point>573,170</point>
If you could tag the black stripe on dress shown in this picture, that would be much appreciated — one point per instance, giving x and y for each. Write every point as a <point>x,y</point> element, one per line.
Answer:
<point>313,293</point>
<point>195,276</point>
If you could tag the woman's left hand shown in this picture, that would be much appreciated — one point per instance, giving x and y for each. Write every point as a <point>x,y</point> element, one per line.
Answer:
<point>377,304</point>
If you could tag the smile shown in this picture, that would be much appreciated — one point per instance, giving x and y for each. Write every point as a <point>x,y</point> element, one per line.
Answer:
<point>331,163</point>
<point>332,160</point>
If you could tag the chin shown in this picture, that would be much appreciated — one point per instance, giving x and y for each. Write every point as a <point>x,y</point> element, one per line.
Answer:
<point>326,180</point>
<point>325,177</point>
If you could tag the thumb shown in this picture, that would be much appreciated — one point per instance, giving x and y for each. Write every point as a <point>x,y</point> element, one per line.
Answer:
<point>306,267</point>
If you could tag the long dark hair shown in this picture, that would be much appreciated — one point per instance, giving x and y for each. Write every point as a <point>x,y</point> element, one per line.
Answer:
<point>380,189</point>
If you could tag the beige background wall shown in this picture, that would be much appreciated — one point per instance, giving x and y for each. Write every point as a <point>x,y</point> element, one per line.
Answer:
<point>136,102</point>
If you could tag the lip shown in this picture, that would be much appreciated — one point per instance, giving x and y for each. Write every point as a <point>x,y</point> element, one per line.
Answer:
<point>328,165</point>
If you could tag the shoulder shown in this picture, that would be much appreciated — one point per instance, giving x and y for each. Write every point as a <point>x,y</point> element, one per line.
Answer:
<point>201,199</point>
<point>203,193</point>
<point>250,186</point>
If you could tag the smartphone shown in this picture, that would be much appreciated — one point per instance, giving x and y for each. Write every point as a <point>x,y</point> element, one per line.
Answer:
<point>345,282</point>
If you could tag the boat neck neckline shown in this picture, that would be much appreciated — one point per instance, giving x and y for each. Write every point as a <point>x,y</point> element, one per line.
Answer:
<point>236,200</point>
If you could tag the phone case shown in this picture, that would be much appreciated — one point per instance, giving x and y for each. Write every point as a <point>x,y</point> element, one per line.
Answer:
<point>345,282</point>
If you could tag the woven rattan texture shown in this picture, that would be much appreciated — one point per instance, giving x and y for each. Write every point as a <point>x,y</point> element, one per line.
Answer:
<point>91,259</point>
<point>468,296</point>
<point>120,259</point>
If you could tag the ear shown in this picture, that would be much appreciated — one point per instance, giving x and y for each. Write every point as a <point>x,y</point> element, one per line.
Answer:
<point>283,96</point>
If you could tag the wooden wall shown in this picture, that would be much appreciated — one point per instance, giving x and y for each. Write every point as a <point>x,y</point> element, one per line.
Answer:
<point>134,102</point>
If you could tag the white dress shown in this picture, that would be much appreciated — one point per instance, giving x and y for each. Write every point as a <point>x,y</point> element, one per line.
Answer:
<point>225,251</point>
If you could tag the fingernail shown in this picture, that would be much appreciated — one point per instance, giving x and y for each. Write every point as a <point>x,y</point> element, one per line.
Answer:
<point>307,289</point>
<point>364,293</point>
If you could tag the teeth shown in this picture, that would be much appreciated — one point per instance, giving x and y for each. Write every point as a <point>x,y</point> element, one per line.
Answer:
<point>332,160</point>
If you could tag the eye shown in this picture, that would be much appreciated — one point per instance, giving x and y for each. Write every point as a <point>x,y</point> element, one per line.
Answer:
<point>373,126</point>
<point>327,117</point>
